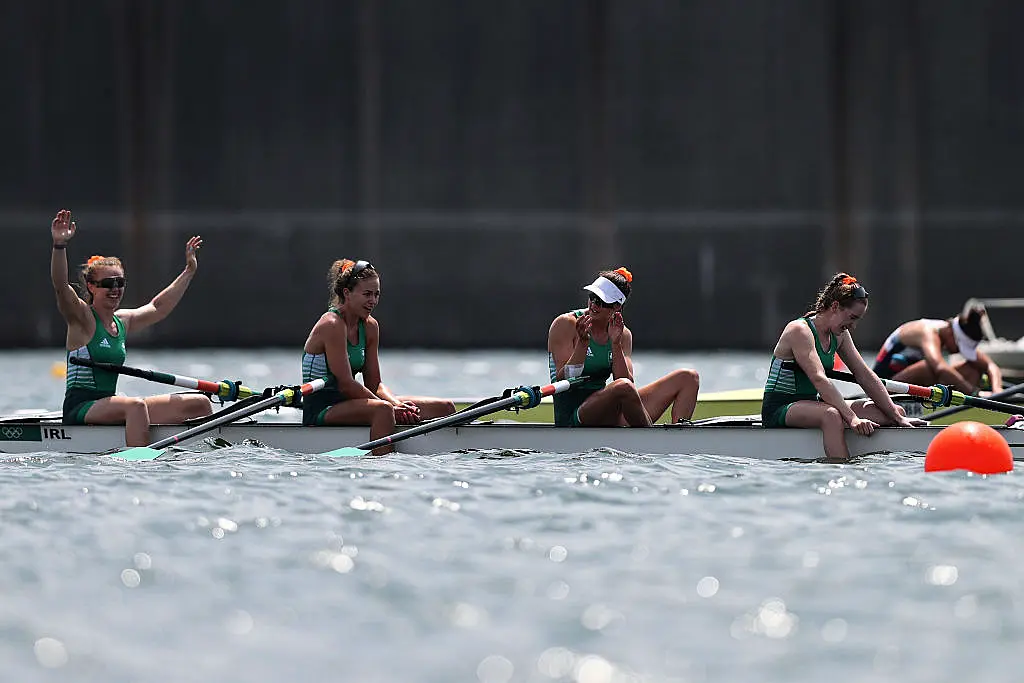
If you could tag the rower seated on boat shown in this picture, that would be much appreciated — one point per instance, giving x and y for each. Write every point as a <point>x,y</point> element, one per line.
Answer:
<point>798,393</point>
<point>914,353</point>
<point>344,343</point>
<point>594,342</point>
<point>97,329</point>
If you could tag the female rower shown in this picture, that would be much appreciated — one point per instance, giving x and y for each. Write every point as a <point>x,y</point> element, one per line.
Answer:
<point>594,342</point>
<point>97,328</point>
<point>799,394</point>
<point>913,353</point>
<point>344,343</point>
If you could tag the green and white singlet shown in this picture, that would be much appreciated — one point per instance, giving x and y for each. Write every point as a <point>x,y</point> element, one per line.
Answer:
<point>315,366</point>
<point>598,367</point>
<point>788,383</point>
<point>84,386</point>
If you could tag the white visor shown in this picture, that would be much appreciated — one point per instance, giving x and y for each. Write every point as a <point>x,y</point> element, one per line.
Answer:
<point>968,347</point>
<point>606,291</point>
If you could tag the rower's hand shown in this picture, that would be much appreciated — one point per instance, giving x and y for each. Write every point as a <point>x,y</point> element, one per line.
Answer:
<point>615,328</point>
<point>62,229</point>
<point>905,421</point>
<point>407,414</point>
<point>191,247</point>
<point>863,426</point>
<point>583,324</point>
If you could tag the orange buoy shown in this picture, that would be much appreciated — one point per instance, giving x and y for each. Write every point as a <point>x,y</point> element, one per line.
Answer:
<point>58,370</point>
<point>839,365</point>
<point>971,446</point>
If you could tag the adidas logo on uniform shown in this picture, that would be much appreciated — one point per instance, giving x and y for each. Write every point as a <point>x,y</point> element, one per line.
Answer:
<point>104,344</point>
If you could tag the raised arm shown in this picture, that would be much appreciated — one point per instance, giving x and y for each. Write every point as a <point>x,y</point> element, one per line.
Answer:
<point>71,307</point>
<point>163,303</point>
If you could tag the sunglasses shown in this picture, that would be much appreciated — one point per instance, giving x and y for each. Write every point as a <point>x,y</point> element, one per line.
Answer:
<point>359,267</point>
<point>110,282</point>
<point>595,299</point>
<point>858,292</point>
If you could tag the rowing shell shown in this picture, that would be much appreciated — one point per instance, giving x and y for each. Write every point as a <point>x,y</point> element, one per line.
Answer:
<point>730,437</point>
<point>740,402</point>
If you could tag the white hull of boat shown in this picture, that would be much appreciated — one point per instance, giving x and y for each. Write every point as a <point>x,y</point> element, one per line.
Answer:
<point>728,437</point>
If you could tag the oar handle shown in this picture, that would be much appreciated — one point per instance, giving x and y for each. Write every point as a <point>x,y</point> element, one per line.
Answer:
<point>523,397</point>
<point>282,397</point>
<point>225,389</point>
<point>1005,393</point>
<point>940,394</point>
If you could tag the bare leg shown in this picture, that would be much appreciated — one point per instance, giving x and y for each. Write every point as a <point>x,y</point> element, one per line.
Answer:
<point>430,407</point>
<point>677,389</point>
<point>173,409</point>
<point>618,402</point>
<point>130,411</point>
<point>380,415</point>
<point>814,414</point>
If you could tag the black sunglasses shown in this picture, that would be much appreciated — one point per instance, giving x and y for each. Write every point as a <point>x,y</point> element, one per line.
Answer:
<point>359,267</point>
<point>111,282</point>
<point>595,299</point>
<point>858,292</point>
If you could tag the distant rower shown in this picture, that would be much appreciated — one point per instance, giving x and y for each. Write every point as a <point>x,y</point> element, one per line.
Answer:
<point>595,342</point>
<point>913,353</point>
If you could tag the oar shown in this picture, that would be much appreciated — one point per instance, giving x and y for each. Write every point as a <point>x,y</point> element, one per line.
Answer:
<point>940,395</point>
<point>283,397</point>
<point>523,397</point>
<point>1005,393</point>
<point>229,391</point>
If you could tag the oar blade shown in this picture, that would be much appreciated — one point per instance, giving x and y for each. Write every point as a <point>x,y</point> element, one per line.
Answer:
<point>349,452</point>
<point>137,454</point>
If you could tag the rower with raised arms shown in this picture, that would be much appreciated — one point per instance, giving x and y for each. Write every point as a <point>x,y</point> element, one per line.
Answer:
<point>343,343</point>
<point>97,330</point>
<point>594,342</point>
<point>914,353</point>
<point>798,392</point>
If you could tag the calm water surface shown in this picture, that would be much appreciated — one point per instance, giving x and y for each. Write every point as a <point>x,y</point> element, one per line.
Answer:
<point>249,565</point>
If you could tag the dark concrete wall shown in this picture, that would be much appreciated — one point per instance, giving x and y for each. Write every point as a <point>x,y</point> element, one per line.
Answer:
<point>489,156</point>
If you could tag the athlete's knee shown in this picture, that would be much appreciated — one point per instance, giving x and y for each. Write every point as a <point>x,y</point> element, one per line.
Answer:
<point>135,408</point>
<point>688,377</point>
<point>198,405</point>
<point>382,412</point>
<point>832,419</point>
<point>622,386</point>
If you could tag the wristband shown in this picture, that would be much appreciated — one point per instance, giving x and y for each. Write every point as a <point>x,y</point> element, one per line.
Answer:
<point>573,371</point>
<point>60,245</point>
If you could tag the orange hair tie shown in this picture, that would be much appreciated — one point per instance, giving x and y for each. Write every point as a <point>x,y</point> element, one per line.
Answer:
<point>849,280</point>
<point>346,264</point>
<point>94,259</point>
<point>625,273</point>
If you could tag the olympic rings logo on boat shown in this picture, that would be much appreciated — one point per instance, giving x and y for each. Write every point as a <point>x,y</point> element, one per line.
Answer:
<point>11,433</point>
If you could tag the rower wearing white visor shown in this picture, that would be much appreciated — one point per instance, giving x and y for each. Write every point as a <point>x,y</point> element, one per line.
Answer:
<point>913,353</point>
<point>594,342</point>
